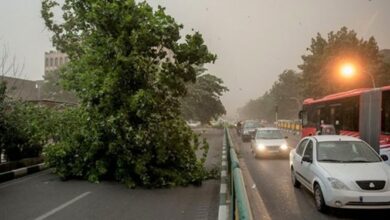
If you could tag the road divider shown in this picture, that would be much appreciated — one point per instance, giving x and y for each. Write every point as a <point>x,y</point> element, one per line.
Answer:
<point>223,207</point>
<point>239,203</point>
<point>6,176</point>
<point>291,126</point>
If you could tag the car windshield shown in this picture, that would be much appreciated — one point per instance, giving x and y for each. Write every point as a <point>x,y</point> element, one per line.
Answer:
<point>251,125</point>
<point>346,152</point>
<point>269,134</point>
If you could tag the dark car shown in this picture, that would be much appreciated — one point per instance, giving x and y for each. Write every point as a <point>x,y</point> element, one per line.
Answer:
<point>248,130</point>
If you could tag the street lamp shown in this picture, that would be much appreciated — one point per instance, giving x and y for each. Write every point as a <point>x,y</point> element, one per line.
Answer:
<point>348,70</point>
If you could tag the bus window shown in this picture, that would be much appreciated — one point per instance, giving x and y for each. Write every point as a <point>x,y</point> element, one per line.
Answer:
<point>386,112</point>
<point>350,114</point>
<point>303,117</point>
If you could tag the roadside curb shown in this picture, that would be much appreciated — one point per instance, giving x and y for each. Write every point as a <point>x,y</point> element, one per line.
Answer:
<point>223,207</point>
<point>13,174</point>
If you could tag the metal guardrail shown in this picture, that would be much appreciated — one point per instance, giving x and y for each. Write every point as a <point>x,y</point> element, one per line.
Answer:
<point>239,203</point>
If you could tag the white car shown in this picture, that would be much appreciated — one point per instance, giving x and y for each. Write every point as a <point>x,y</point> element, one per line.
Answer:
<point>341,172</point>
<point>269,142</point>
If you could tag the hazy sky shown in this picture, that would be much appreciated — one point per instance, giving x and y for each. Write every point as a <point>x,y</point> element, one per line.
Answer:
<point>255,40</point>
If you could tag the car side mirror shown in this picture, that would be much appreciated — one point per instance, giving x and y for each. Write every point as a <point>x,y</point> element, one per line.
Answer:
<point>384,157</point>
<point>307,158</point>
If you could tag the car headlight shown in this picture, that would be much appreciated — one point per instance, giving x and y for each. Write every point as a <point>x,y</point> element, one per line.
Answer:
<point>284,147</point>
<point>337,184</point>
<point>260,147</point>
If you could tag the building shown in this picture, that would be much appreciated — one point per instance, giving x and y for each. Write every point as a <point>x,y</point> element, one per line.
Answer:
<point>54,60</point>
<point>31,91</point>
<point>22,89</point>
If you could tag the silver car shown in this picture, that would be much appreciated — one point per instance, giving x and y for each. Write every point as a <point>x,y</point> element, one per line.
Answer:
<point>269,142</point>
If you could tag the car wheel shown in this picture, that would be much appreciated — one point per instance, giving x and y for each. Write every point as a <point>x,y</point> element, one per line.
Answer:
<point>319,199</point>
<point>294,180</point>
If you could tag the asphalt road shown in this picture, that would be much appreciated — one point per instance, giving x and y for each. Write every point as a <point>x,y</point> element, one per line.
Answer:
<point>283,201</point>
<point>44,196</point>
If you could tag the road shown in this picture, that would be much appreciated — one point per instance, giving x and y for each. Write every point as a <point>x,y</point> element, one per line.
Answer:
<point>44,196</point>
<point>280,199</point>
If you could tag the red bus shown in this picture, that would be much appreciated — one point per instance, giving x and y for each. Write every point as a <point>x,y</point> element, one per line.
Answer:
<point>363,113</point>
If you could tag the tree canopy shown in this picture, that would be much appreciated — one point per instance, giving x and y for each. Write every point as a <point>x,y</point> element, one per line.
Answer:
<point>52,88</point>
<point>321,66</point>
<point>202,101</point>
<point>129,67</point>
<point>321,74</point>
<point>284,97</point>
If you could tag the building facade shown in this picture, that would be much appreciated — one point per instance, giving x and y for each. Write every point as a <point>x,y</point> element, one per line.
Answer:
<point>54,60</point>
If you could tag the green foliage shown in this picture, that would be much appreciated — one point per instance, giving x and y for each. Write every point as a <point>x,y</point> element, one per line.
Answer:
<point>129,68</point>
<point>3,123</point>
<point>285,94</point>
<point>321,67</point>
<point>202,101</point>
<point>25,127</point>
<point>321,74</point>
<point>52,88</point>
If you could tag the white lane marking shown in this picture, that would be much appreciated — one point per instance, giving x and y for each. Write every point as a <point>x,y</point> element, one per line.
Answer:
<point>223,163</point>
<point>24,179</point>
<point>223,157</point>
<point>59,208</point>
<point>222,212</point>
<point>223,188</point>
<point>223,173</point>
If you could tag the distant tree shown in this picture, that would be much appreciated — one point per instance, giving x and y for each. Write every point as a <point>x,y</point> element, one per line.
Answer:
<point>202,101</point>
<point>129,67</point>
<point>23,127</point>
<point>384,76</point>
<point>9,66</point>
<point>251,110</point>
<point>320,68</point>
<point>285,95</point>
